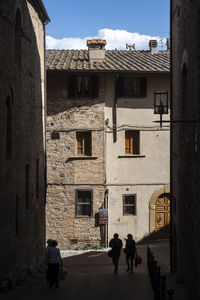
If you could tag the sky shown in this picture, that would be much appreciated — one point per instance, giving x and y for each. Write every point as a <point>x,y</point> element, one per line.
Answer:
<point>119,22</point>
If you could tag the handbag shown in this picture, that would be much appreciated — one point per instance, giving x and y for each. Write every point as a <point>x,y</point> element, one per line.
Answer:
<point>138,260</point>
<point>110,254</point>
<point>63,271</point>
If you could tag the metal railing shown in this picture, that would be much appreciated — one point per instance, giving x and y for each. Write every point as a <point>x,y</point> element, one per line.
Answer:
<point>158,281</point>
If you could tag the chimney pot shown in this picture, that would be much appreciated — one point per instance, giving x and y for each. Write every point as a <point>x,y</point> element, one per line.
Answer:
<point>96,50</point>
<point>153,44</point>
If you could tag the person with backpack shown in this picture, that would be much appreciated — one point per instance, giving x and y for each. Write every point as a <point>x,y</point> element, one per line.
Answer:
<point>116,245</point>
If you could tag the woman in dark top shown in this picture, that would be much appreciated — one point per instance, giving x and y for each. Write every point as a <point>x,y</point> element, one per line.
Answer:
<point>130,251</point>
<point>116,245</point>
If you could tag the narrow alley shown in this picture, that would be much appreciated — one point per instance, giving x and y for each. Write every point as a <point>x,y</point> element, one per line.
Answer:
<point>91,277</point>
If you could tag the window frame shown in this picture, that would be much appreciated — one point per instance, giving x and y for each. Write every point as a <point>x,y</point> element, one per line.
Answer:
<point>141,83</point>
<point>129,205</point>
<point>131,142</point>
<point>86,149</point>
<point>93,84</point>
<point>91,203</point>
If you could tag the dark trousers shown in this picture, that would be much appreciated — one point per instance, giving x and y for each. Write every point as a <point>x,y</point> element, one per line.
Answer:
<point>53,274</point>
<point>115,260</point>
<point>129,260</point>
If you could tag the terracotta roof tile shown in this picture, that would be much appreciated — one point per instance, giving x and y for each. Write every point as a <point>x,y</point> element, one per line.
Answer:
<point>115,60</point>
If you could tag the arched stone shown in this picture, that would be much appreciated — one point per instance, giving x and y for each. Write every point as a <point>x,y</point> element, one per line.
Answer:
<point>163,190</point>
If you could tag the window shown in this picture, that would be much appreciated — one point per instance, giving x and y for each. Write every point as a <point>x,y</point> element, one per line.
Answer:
<point>132,87</point>
<point>161,102</point>
<point>84,144</point>
<point>55,135</point>
<point>17,216</point>
<point>132,142</point>
<point>18,34</point>
<point>129,205</point>
<point>9,128</point>
<point>37,178</point>
<point>27,187</point>
<point>83,86</point>
<point>84,203</point>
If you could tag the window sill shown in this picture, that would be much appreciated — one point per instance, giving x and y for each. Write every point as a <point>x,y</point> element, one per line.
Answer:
<point>131,156</point>
<point>81,157</point>
<point>83,217</point>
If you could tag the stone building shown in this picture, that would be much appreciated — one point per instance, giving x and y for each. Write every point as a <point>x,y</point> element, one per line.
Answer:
<point>104,149</point>
<point>22,131</point>
<point>185,157</point>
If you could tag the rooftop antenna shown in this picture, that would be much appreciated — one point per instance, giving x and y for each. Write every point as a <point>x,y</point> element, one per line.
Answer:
<point>130,47</point>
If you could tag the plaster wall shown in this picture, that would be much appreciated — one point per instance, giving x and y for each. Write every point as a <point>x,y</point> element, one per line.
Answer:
<point>140,174</point>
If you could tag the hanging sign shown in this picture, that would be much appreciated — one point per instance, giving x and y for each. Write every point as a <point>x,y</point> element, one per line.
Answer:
<point>103,216</point>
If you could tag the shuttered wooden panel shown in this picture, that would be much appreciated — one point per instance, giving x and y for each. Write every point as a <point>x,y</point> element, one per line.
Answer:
<point>132,142</point>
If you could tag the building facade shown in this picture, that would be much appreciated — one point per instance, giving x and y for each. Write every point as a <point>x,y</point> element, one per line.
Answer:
<point>185,143</point>
<point>104,149</point>
<point>22,149</point>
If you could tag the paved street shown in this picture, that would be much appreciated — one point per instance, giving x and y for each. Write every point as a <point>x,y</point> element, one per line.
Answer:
<point>91,277</point>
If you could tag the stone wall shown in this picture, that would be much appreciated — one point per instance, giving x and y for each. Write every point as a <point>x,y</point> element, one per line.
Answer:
<point>66,171</point>
<point>22,203</point>
<point>185,145</point>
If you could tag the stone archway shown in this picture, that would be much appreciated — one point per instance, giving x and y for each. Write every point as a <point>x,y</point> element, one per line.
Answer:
<point>152,206</point>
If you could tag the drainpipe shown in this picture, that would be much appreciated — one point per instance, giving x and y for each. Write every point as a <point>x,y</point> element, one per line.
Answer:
<point>115,111</point>
<point>172,250</point>
<point>106,207</point>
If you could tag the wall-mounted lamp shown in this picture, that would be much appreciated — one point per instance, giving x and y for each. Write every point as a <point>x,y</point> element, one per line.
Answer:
<point>161,103</point>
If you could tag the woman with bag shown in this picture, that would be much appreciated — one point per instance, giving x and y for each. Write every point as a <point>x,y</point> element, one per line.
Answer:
<point>54,262</point>
<point>130,251</point>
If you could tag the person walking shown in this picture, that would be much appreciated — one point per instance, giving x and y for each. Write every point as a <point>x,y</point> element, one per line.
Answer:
<point>130,251</point>
<point>116,245</point>
<point>49,241</point>
<point>54,261</point>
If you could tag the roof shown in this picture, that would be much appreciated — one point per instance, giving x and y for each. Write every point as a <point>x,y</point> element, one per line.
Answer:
<point>115,60</point>
<point>42,11</point>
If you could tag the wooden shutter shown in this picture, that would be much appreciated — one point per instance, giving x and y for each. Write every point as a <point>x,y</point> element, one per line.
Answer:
<point>128,144</point>
<point>132,142</point>
<point>120,87</point>
<point>79,138</point>
<point>88,146</point>
<point>94,87</point>
<point>142,87</point>
<point>71,86</point>
<point>136,141</point>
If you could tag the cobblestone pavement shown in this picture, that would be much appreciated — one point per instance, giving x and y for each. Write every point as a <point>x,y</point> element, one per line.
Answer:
<point>91,277</point>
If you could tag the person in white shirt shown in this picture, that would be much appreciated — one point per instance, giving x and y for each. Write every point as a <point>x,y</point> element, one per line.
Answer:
<point>54,261</point>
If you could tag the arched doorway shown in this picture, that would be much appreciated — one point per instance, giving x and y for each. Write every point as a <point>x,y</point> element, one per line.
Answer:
<point>162,215</point>
<point>159,213</point>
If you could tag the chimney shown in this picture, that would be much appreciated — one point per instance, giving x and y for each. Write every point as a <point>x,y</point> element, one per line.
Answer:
<point>168,44</point>
<point>96,50</point>
<point>153,46</point>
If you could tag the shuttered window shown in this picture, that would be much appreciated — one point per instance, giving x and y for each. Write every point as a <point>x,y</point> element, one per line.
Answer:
<point>132,87</point>
<point>132,142</point>
<point>84,144</point>
<point>83,86</point>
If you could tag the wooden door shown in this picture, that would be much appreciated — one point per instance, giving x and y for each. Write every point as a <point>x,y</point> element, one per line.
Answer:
<point>162,215</point>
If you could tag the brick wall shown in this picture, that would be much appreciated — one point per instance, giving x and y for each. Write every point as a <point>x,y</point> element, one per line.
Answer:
<point>185,145</point>
<point>65,172</point>
<point>22,203</point>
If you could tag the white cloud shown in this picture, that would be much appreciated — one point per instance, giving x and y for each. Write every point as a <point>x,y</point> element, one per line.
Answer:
<point>114,38</point>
